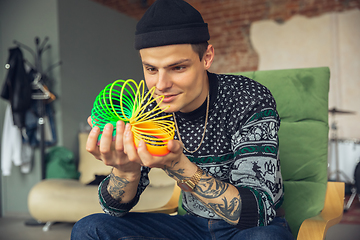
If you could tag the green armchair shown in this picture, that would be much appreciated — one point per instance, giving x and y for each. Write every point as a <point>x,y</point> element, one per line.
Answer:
<point>312,204</point>
<point>302,102</point>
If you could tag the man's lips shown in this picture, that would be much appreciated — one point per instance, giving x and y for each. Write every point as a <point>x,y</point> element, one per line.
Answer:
<point>168,97</point>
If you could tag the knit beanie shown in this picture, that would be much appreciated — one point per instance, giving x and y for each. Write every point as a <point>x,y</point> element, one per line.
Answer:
<point>168,22</point>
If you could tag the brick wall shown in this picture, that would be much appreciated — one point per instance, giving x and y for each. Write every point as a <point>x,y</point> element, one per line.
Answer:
<point>230,20</point>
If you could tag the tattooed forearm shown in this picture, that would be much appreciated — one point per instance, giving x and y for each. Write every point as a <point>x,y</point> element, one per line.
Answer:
<point>215,193</point>
<point>172,172</point>
<point>116,186</point>
<point>209,187</point>
<point>229,210</point>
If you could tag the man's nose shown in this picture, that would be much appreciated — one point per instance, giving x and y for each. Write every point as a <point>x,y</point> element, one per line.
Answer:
<point>163,82</point>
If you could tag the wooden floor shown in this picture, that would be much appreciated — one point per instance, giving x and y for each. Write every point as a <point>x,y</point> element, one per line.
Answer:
<point>15,229</point>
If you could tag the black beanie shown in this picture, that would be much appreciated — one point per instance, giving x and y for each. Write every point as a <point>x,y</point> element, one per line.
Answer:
<point>168,22</point>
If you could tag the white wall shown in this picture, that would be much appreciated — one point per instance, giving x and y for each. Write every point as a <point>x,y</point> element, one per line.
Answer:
<point>331,40</point>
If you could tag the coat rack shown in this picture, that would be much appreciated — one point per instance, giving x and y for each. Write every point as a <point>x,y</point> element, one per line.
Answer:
<point>43,94</point>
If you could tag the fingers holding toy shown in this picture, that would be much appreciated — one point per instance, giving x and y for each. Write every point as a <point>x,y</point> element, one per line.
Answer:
<point>91,144</point>
<point>175,146</point>
<point>89,121</point>
<point>175,155</point>
<point>129,147</point>
<point>106,145</point>
<point>119,137</point>
<point>102,149</point>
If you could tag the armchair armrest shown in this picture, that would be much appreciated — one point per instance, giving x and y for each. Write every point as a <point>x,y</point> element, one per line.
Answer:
<point>171,206</point>
<point>316,227</point>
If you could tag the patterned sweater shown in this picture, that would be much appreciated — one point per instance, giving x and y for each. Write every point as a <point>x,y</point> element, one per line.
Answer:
<point>240,147</point>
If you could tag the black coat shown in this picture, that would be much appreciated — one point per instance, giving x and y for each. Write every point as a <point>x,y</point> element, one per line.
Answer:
<point>17,87</point>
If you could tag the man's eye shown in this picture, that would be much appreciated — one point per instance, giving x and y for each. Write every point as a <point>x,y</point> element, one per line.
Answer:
<point>151,69</point>
<point>179,68</point>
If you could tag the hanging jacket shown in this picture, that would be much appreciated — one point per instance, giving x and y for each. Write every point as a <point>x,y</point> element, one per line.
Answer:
<point>17,87</point>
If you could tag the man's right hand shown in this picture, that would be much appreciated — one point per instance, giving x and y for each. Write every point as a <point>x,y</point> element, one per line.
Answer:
<point>112,153</point>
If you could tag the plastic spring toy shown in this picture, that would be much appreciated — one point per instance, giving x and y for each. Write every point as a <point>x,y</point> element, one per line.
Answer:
<point>127,101</point>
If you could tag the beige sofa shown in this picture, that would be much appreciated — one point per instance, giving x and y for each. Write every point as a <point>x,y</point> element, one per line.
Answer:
<point>68,200</point>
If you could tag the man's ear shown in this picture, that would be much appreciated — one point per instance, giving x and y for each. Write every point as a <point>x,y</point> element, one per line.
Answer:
<point>209,56</point>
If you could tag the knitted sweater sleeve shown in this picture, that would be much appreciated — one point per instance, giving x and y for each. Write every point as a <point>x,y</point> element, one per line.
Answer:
<point>255,171</point>
<point>112,206</point>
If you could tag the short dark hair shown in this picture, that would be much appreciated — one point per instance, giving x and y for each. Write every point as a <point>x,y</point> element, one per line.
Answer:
<point>200,48</point>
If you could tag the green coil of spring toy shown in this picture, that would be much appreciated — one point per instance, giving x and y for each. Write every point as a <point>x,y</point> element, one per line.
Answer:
<point>125,100</point>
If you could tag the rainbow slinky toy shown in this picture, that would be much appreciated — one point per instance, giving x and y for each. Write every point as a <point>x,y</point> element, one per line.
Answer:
<point>127,101</point>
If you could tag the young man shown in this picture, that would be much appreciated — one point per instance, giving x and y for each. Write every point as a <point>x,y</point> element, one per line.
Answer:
<point>224,156</point>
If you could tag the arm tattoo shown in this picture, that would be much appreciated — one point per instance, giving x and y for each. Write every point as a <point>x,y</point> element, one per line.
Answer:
<point>174,173</point>
<point>116,186</point>
<point>209,187</point>
<point>229,210</point>
<point>212,188</point>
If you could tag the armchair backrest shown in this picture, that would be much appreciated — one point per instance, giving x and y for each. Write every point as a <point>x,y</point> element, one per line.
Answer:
<point>302,102</point>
